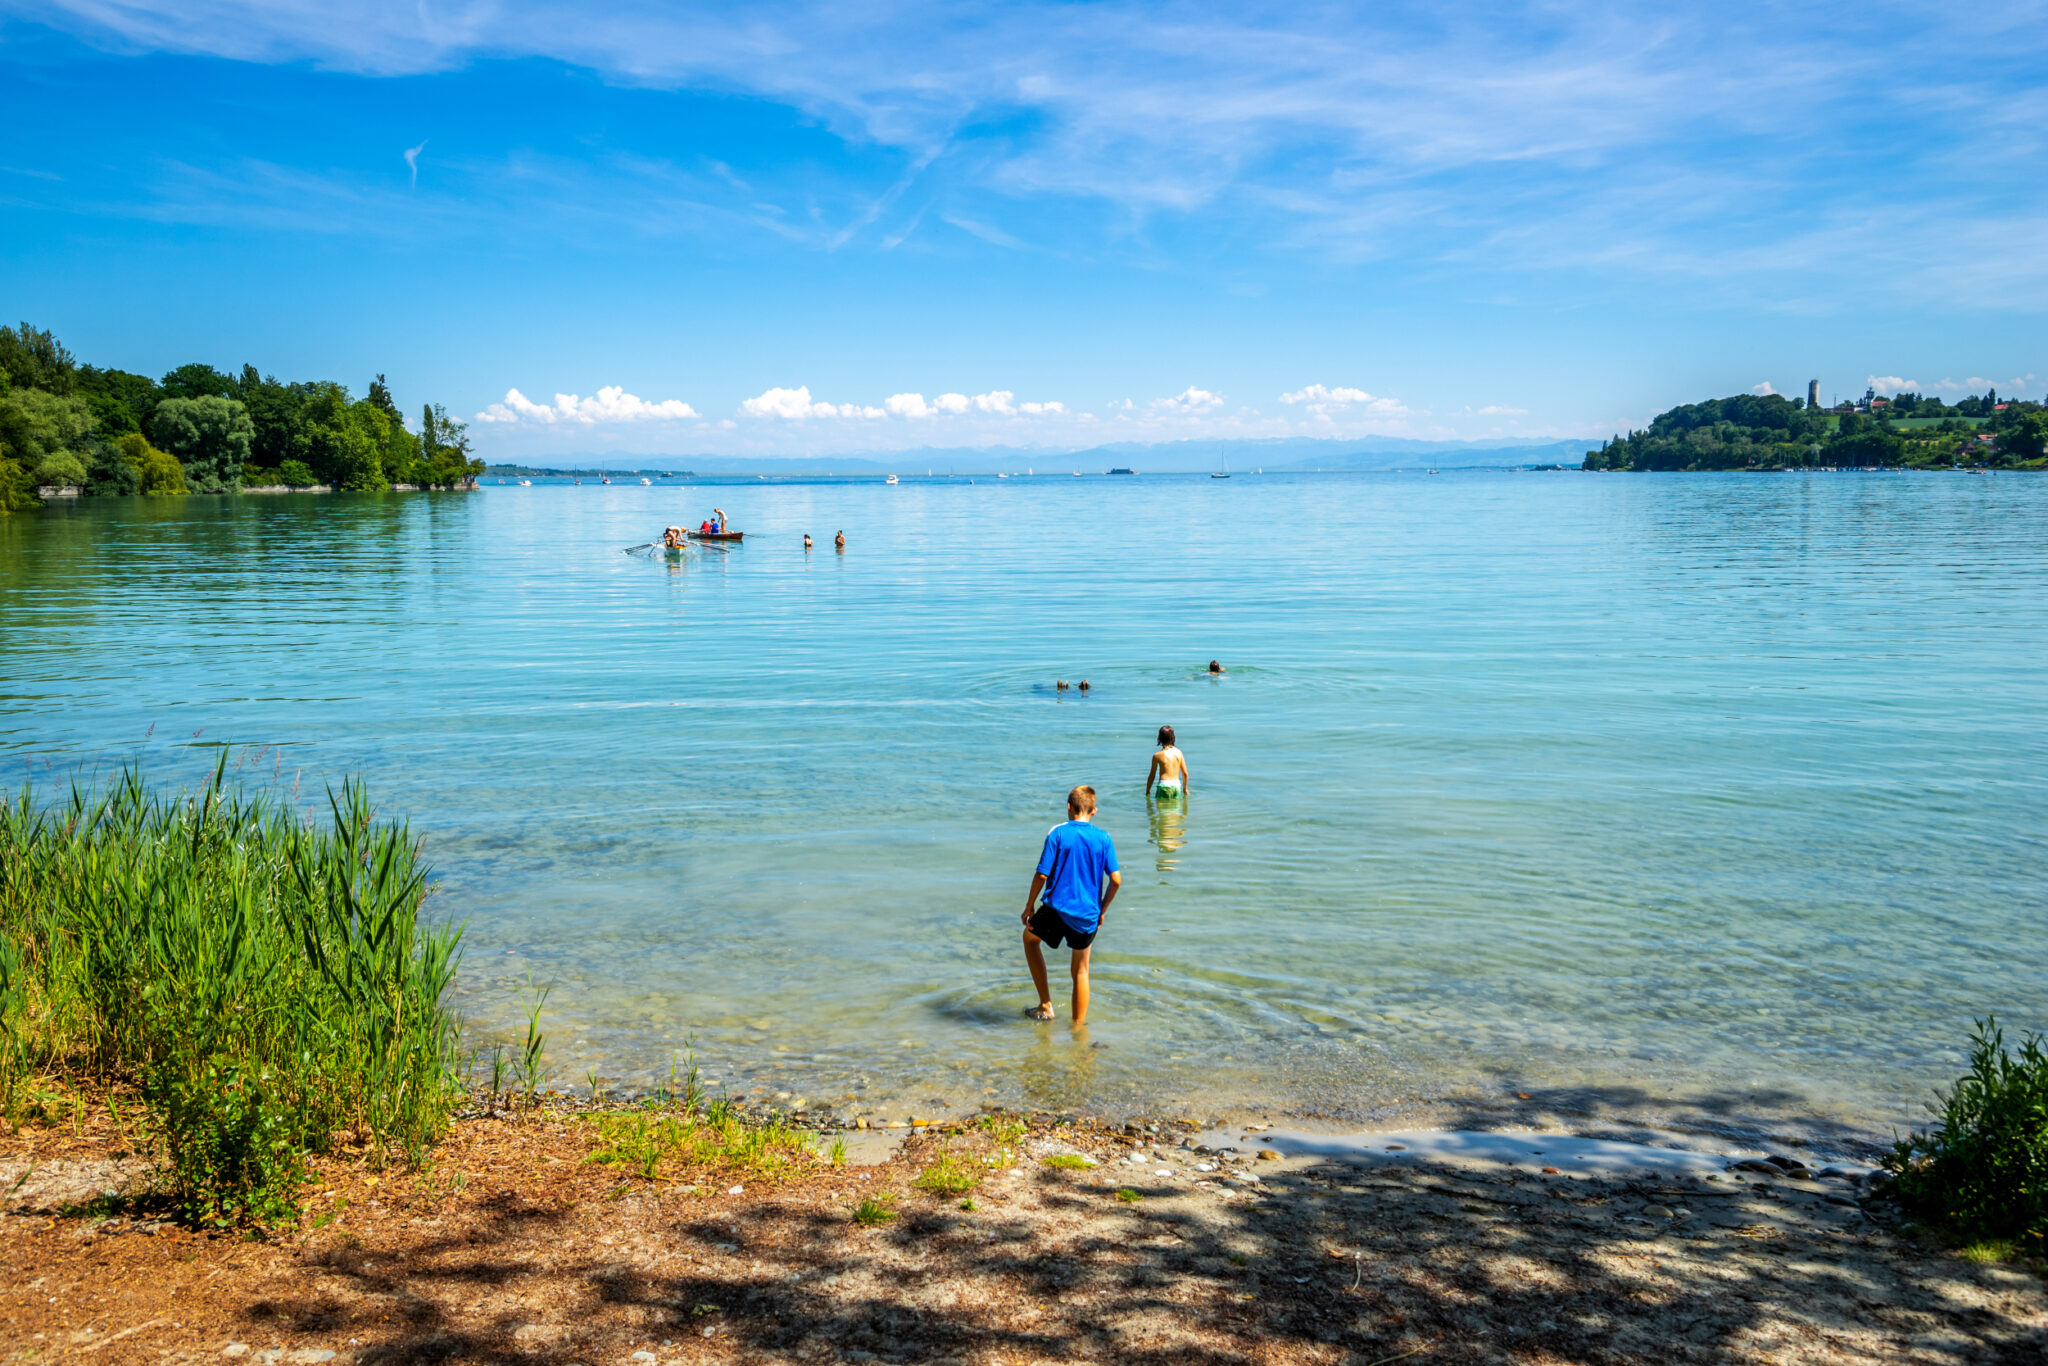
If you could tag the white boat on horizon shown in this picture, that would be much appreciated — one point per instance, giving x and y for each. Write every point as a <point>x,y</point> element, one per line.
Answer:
<point>890,480</point>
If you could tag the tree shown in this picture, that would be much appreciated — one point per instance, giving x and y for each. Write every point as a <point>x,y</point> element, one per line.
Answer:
<point>198,381</point>
<point>33,359</point>
<point>42,434</point>
<point>2026,438</point>
<point>108,472</point>
<point>341,451</point>
<point>156,471</point>
<point>120,402</point>
<point>209,435</point>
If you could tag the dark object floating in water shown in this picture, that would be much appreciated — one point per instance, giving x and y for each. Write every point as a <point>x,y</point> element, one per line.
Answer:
<point>1121,470</point>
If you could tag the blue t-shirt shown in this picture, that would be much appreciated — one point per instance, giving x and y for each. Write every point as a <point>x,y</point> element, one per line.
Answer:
<point>1076,859</point>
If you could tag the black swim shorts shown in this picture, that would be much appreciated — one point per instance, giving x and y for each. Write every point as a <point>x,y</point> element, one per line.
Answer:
<point>1047,925</point>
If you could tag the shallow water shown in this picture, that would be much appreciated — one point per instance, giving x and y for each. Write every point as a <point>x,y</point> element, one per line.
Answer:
<point>1716,796</point>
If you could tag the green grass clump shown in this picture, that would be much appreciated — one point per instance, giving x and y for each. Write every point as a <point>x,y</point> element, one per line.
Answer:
<point>1072,1162</point>
<point>1128,1196</point>
<point>947,1176</point>
<point>1981,1173</point>
<point>714,1135</point>
<point>874,1209</point>
<point>266,984</point>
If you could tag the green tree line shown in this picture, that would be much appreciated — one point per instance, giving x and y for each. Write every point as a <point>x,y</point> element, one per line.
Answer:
<point>201,430</point>
<point>1772,432</point>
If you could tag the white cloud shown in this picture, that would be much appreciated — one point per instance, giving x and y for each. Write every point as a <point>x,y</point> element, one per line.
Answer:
<point>1892,384</point>
<point>611,404</point>
<point>909,405</point>
<point>1190,400</point>
<point>1316,393</point>
<point>1761,389</point>
<point>796,404</point>
<point>1321,399</point>
<point>1049,406</point>
<point>1495,410</point>
<point>998,401</point>
<point>953,403</point>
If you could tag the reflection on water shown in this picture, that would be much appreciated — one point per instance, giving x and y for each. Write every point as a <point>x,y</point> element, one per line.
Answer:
<point>1720,790</point>
<point>1169,820</point>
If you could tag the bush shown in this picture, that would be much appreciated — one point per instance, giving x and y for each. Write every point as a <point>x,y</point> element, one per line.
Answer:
<point>295,474</point>
<point>267,984</point>
<point>156,471</point>
<point>1982,1173</point>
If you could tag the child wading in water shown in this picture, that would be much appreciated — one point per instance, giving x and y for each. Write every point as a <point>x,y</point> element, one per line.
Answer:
<point>1168,776</point>
<point>1072,870</point>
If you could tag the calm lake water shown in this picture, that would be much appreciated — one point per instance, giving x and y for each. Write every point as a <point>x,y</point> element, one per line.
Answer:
<point>1690,797</point>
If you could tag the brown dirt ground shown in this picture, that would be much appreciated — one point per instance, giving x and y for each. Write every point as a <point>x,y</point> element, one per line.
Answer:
<point>514,1249</point>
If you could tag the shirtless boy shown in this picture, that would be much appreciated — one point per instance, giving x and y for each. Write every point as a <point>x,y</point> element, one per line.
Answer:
<point>1168,776</point>
<point>1077,873</point>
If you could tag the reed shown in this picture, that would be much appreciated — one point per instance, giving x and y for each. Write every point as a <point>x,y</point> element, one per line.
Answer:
<point>268,985</point>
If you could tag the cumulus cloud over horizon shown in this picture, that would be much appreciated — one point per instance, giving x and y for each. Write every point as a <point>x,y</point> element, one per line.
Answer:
<point>608,405</point>
<point>795,405</point>
<point>1190,400</point>
<point>1323,398</point>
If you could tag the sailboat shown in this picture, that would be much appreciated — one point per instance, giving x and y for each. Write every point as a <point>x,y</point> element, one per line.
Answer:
<point>1223,473</point>
<point>890,480</point>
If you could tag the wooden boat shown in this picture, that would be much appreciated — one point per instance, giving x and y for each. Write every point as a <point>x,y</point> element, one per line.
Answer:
<point>733,536</point>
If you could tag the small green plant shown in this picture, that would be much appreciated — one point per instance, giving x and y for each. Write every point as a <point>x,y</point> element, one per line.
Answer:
<point>1127,1196</point>
<point>1239,1259</point>
<point>532,1070</point>
<point>641,1140</point>
<point>596,1088</point>
<point>497,1070</point>
<point>968,1204</point>
<point>836,1154</point>
<point>947,1176</point>
<point>1981,1174</point>
<point>1072,1162</point>
<point>874,1209</point>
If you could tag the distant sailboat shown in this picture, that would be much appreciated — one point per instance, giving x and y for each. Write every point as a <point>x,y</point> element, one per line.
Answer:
<point>1223,473</point>
<point>890,480</point>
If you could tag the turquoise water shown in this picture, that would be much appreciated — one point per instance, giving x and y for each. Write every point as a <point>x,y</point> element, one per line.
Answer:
<point>1704,797</point>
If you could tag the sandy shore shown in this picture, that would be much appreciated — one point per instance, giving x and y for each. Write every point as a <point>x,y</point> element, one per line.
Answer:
<point>514,1248</point>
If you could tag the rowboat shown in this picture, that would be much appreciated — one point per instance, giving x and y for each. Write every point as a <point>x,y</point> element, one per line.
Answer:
<point>716,535</point>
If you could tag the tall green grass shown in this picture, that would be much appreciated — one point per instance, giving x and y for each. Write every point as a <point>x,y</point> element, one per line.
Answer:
<point>269,985</point>
<point>1982,1171</point>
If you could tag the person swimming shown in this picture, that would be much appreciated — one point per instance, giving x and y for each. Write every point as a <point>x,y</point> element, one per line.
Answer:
<point>1084,685</point>
<point>839,541</point>
<point>1167,779</point>
<point>1214,667</point>
<point>807,540</point>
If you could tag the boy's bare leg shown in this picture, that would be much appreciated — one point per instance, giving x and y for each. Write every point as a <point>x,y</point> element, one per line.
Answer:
<point>1035,956</point>
<point>1080,970</point>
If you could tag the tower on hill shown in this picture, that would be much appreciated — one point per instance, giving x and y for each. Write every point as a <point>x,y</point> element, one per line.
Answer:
<point>1812,394</point>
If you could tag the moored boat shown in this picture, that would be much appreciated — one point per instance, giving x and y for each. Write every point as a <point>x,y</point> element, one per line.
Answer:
<point>715,535</point>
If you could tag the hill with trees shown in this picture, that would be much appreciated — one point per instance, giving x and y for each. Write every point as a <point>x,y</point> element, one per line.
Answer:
<point>1772,432</point>
<point>200,430</point>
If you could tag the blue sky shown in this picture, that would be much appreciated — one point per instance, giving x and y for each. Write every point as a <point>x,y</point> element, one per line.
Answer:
<point>785,229</point>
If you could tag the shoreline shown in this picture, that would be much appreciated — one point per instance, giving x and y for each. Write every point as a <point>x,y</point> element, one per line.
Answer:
<point>986,1245</point>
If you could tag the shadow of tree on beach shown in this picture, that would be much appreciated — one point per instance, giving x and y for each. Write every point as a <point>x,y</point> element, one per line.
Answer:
<point>1439,1263</point>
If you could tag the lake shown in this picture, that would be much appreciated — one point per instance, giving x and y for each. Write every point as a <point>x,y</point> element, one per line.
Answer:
<point>1707,799</point>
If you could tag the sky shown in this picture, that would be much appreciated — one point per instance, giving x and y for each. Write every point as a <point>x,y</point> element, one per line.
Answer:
<point>790,229</point>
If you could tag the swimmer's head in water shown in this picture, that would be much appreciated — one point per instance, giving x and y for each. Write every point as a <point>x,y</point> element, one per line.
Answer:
<point>1214,667</point>
<point>1060,684</point>
<point>1081,801</point>
<point>1165,736</point>
<point>1084,685</point>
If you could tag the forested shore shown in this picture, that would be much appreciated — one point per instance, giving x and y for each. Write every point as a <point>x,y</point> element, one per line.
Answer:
<point>68,426</point>
<point>1772,432</point>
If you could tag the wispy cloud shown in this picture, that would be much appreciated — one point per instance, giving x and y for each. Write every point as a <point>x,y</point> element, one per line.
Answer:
<point>1620,137</point>
<point>412,161</point>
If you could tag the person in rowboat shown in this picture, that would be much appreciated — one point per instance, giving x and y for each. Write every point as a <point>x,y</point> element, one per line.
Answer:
<point>718,520</point>
<point>672,538</point>
<point>1167,779</point>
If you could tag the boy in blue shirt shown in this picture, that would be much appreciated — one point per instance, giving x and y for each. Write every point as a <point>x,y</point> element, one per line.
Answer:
<point>1072,870</point>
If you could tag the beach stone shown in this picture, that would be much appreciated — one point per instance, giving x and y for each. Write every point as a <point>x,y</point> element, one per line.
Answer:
<point>1658,1212</point>
<point>1268,1155</point>
<point>235,1349</point>
<point>643,1356</point>
<point>309,1356</point>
